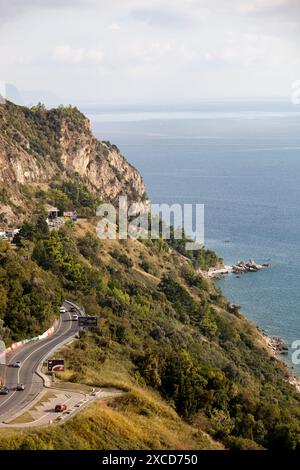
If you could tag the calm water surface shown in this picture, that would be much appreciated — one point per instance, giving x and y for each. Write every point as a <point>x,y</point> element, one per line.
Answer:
<point>244,165</point>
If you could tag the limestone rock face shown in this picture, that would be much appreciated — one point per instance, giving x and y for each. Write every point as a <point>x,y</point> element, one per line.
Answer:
<point>105,169</point>
<point>17,166</point>
<point>39,146</point>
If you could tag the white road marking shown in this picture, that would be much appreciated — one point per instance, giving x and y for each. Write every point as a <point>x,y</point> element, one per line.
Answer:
<point>33,352</point>
<point>29,343</point>
<point>44,416</point>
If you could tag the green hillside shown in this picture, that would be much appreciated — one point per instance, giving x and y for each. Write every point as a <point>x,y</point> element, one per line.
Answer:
<point>198,373</point>
<point>166,337</point>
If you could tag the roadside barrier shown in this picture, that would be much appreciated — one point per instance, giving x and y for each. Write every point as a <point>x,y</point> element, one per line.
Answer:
<point>44,335</point>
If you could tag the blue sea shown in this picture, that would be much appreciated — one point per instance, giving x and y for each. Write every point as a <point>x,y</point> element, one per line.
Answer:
<point>242,161</point>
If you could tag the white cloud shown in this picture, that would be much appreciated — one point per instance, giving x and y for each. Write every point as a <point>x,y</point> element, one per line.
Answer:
<point>14,8</point>
<point>126,50</point>
<point>114,27</point>
<point>77,55</point>
<point>258,6</point>
<point>254,50</point>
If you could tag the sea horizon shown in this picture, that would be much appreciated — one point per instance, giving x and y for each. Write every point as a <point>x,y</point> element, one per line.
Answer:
<point>240,162</point>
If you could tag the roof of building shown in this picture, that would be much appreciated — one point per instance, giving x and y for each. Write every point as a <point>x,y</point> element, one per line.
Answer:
<point>51,208</point>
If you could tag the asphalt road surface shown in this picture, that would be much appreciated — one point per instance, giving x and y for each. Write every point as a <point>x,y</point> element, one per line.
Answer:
<point>31,355</point>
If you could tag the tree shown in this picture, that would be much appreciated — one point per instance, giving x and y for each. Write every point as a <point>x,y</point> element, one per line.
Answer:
<point>28,231</point>
<point>42,227</point>
<point>222,424</point>
<point>17,240</point>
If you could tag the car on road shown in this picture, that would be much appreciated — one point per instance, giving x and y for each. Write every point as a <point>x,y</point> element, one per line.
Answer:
<point>4,391</point>
<point>17,365</point>
<point>60,408</point>
<point>72,309</point>
<point>75,317</point>
<point>62,310</point>
<point>20,387</point>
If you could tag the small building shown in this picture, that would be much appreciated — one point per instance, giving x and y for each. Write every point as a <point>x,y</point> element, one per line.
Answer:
<point>52,212</point>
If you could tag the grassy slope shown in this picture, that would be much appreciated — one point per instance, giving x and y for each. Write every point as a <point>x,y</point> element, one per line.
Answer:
<point>139,420</point>
<point>166,335</point>
<point>135,318</point>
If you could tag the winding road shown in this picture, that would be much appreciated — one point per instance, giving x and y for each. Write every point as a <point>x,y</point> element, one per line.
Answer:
<point>31,356</point>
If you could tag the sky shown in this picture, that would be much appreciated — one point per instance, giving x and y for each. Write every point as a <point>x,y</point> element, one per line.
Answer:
<point>149,51</point>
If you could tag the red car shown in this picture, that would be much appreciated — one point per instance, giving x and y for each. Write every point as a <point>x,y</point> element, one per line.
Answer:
<point>60,408</point>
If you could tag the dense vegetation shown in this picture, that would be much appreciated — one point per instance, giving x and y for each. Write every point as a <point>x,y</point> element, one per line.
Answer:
<point>71,195</point>
<point>167,336</point>
<point>202,258</point>
<point>161,322</point>
<point>29,296</point>
<point>38,130</point>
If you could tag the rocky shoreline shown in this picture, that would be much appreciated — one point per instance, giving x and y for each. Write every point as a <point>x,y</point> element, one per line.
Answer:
<point>241,267</point>
<point>249,267</point>
<point>275,343</point>
<point>276,346</point>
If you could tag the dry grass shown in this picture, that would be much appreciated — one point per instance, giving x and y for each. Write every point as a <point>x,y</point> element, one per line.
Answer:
<point>22,419</point>
<point>27,417</point>
<point>45,398</point>
<point>137,420</point>
<point>151,277</point>
<point>72,386</point>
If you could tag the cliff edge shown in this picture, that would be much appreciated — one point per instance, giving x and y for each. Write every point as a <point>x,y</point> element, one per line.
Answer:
<point>40,146</point>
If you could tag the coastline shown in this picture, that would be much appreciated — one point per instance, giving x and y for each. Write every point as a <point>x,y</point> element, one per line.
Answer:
<point>292,379</point>
<point>216,272</point>
<point>274,345</point>
<point>241,267</point>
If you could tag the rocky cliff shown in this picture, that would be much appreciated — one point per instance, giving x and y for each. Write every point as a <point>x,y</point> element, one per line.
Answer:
<point>39,146</point>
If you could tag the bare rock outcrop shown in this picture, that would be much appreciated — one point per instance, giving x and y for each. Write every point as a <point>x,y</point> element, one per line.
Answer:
<point>39,146</point>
